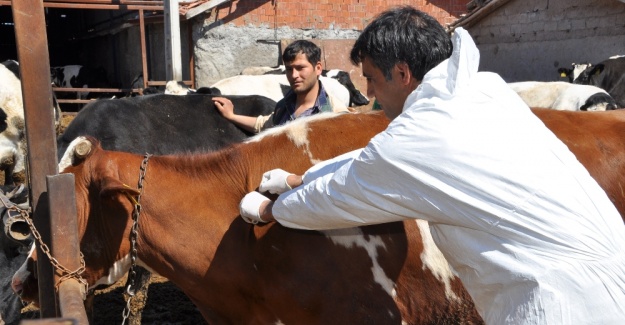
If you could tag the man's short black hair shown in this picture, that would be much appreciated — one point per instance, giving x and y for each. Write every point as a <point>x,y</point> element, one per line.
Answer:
<point>312,51</point>
<point>403,35</point>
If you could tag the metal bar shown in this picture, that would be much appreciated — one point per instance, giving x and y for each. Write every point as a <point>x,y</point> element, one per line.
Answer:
<point>65,244</point>
<point>74,101</point>
<point>32,49</point>
<point>173,61</point>
<point>49,321</point>
<point>91,90</point>
<point>143,50</point>
<point>122,2</point>
<point>191,56</point>
<point>163,83</point>
<point>100,6</point>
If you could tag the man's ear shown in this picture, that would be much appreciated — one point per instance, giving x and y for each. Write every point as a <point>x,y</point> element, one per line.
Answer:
<point>403,70</point>
<point>318,68</point>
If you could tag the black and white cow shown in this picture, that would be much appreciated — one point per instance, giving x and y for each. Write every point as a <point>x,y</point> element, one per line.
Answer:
<point>561,95</point>
<point>12,256</point>
<point>13,162</point>
<point>78,76</point>
<point>12,123</point>
<point>572,74</point>
<point>608,75</point>
<point>356,98</point>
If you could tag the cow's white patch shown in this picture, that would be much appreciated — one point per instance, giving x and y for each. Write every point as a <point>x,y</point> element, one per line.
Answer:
<point>115,273</point>
<point>297,132</point>
<point>118,270</point>
<point>434,260</point>
<point>68,155</point>
<point>22,273</point>
<point>279,322</point>
<point>351,237</point>
<point>333,73</point>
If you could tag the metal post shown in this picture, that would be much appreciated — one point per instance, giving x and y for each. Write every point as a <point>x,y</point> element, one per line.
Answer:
<point>32,49</point>
<point>65,244</point>
<point>173,59</point>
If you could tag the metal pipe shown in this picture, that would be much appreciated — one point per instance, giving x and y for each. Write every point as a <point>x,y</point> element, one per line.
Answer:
<point>32,49</point>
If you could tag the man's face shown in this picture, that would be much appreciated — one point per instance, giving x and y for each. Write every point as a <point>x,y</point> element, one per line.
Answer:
<point>302,75</point>
<point>390,94</point>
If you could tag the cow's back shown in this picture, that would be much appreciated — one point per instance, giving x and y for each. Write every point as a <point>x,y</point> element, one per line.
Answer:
<point>597,139</point>
<point>162,124</point>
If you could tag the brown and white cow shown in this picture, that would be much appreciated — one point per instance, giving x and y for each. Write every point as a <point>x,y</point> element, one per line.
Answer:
<point>236,273</point>
<point>598,141</point>
<point>244,274</point>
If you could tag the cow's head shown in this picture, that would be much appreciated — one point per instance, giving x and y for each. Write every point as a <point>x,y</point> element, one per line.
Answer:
<point>104,206</point>
<point>13,149</point>
<point>12,126</point>
<point>356,98</point>
<point>572,74</point>
<point>585,76</point>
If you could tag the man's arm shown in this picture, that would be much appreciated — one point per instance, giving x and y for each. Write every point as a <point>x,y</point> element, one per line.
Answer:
<point>226,108</point>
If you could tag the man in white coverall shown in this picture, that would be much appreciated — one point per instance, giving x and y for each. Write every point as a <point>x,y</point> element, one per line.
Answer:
<point>532,236</point>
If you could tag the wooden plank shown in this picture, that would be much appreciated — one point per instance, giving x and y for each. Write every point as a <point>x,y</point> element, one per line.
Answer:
<point>202,8</point>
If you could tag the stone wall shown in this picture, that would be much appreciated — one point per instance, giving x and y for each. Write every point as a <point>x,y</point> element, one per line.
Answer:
<point>531,39</point>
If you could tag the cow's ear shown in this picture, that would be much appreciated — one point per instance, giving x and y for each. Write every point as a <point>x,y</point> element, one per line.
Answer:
<point>110,186</point>
<point>597,69</point>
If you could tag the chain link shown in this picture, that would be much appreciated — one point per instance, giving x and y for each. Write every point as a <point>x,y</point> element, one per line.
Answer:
<point>134,233</point>
<point>64,272</point>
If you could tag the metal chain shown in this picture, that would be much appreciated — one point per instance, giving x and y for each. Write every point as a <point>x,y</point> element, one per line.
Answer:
<point>134,232</point>
<point>65,273</point>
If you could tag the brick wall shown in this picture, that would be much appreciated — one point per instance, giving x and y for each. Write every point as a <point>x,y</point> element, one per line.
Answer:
<point>327,14</point>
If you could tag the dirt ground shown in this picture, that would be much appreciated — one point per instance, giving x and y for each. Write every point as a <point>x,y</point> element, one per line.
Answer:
<point>165,304</point>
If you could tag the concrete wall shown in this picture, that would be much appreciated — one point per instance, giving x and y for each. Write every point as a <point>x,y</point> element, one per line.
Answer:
<point>531,39</point>
<point>248,33</point>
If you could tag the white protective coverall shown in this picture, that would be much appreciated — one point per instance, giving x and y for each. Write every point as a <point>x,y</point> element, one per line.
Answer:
<point>530,233</point>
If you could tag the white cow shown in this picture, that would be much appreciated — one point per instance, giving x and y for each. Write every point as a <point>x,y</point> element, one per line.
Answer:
<point>12,123</point>
<point>561,95</point>
<point>274,86</point>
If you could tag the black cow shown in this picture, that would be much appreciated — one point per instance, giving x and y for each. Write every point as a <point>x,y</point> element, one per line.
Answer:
<point>12,256</point>
<point>609,75</point>
<point>162,124</point>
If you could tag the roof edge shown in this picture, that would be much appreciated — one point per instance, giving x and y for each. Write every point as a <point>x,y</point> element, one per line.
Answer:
<point>476,15</point>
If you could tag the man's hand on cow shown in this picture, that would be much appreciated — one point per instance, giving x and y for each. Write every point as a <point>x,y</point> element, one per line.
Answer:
<point>256,208</point>
<point>225,107</point>
<point>278,181</point>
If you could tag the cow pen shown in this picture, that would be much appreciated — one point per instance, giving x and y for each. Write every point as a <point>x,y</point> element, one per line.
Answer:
<point>142,8</point>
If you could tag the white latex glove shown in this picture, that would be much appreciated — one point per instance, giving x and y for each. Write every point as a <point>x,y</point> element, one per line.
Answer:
<point>274,182</point>
<point>250,207</point>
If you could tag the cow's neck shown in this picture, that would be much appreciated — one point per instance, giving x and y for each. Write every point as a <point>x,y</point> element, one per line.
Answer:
<point>185,227</point>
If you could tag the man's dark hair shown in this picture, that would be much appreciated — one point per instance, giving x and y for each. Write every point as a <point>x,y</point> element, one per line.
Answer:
<point>403,34</point>
<point>312,51</point>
